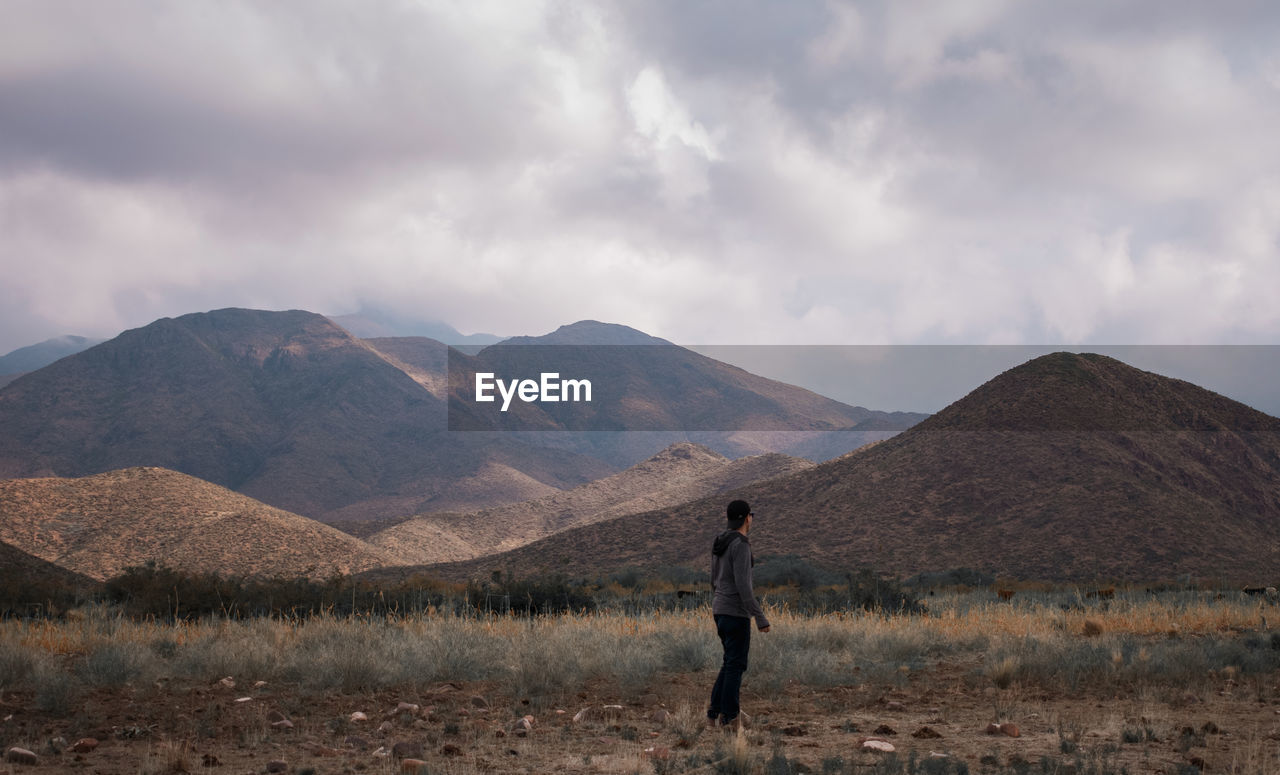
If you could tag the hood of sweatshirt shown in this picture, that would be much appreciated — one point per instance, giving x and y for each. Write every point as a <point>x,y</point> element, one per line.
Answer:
<point>725,540</point>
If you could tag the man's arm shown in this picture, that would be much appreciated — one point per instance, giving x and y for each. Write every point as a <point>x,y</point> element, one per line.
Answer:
<point>742,578</point>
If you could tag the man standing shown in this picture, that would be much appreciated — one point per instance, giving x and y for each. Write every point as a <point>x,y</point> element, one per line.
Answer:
<point>734,606</point>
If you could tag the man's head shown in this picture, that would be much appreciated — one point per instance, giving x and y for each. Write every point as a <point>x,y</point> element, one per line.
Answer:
<point>739,514</point>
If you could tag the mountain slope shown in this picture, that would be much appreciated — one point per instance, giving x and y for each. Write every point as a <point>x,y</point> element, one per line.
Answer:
<point>1069,467</point>
<point>290,409</point>
<point>283,406</point>
<point>641,382</point>
<point>39,355</point>
<point>21,569</point>
<point>99,525</point>
<point>675,475</point>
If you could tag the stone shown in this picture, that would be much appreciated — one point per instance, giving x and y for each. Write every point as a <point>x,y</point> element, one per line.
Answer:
<point>649,700</point>
<point>879,746</point>
<point>259,684</point>
<point>227,683</point>
<point>243,700</point>
<point>277,765</point>
<point>84,745</point>
<point>885,729</point>
<point>479,702</point>
<point>386,728</point>
<point>1010,729</point>
<point>894,705</point>
<point>406,749</point>
<point>525,723</point>
<point>18,755</point>
<point>1092,627</point>
<point>283,725</point>
<point>658,753</point>
<point>661,716</point>
<point>407,707</point>
<point>357,717</point>
<point>450,749</point>
<point>275,716</point>
<point>993,729</point>
<point>356,742</point>
<point>413,765</point>
<point>926,733</point>
<point>581,715</point>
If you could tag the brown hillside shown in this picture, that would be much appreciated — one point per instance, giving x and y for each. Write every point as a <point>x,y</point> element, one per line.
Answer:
<point>678,474</point>
<point>1069,467</point>
<point>99,525</point>
<point>19,567</point>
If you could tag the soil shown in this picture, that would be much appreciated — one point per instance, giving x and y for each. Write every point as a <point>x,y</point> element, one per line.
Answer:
<point>1230,726</point>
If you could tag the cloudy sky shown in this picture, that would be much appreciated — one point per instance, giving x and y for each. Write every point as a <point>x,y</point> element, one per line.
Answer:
<point>711,172</point>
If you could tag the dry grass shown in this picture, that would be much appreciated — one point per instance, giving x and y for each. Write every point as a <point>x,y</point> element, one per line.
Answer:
<point>1157,638</point>
<point>980,659</point>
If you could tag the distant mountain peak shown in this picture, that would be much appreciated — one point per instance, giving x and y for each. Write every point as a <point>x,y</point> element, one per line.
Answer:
<point>685,450</point>
<point>39,355</point>
<point>1066,391</point>
<point>590,332</point>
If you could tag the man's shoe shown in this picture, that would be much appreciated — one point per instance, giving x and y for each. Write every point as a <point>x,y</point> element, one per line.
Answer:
<point>713,723</point>
<point>743,721</point>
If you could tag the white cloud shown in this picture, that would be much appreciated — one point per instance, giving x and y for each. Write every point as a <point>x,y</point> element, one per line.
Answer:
<point>880,172</point>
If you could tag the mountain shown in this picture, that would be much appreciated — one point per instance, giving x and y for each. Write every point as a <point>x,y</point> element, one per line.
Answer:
<point>20,570</point>
<point>37,356</point>
<point>290,409</point>
<point>591,333</point>
<point>642,383</point>
<point>375,323</point>
<point>99,525</point>
<point>676,475</point>
<point>285,407</point>
<point>1068,467</point>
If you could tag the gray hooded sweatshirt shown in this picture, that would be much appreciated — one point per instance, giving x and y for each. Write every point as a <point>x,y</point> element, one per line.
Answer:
<point>731,578</point>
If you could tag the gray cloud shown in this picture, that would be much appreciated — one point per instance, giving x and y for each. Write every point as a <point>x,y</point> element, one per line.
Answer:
<point>810,172</point>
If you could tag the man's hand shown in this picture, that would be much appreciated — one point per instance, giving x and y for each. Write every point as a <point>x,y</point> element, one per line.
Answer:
<point>765,628</point>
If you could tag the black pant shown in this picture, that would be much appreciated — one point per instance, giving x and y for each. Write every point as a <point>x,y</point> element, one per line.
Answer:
<point>735,636</point>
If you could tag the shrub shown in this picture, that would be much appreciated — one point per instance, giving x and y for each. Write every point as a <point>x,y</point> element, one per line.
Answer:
<point>114,663</point>
<point>688,650</point>
<point>56,691</point>
<point>17,664</point>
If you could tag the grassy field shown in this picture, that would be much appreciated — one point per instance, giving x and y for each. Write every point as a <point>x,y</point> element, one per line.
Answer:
<point>1170,682</point>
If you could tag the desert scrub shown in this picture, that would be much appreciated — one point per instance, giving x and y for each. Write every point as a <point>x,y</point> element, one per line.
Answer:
<point>56,691</point>
<point>688,651</point>
<point>1067,663</point>
<point>349,656</point>
<point>245,650</point>
<point>113,664</point>
<point>17,663</point>
<point>544,664</point>
<point>446,650</point>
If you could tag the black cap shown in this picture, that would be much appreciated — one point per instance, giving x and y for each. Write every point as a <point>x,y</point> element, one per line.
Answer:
<point>737,512</point>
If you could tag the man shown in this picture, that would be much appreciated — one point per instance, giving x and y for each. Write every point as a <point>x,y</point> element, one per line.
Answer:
<point>733,606</point>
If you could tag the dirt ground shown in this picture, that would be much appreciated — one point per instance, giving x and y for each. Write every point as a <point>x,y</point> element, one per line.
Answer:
<point>1229,726</point>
